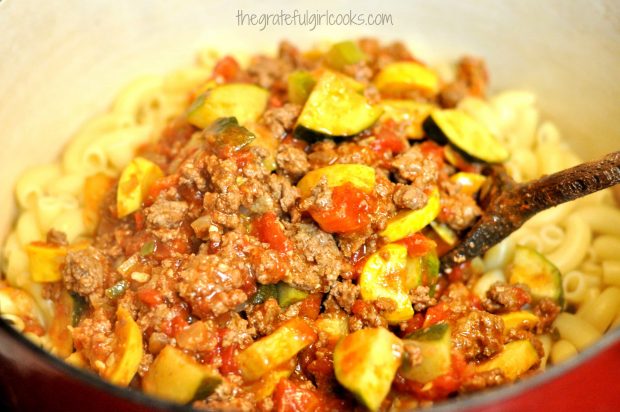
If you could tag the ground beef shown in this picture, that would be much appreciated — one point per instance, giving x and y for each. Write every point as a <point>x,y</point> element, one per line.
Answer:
<point>370,313</point>
<point>547,310</point>
<point>344,294</point>
<point>84,271</point>
<point>471,80</point>
<point>409,197</point>
<point>483,380</point>
<point>326,152</point>
<point>320,197</point>
<point>229,396</point>
<point>421,299</point>
<point>359,71</point>
<point>413,166</point>
<point>238,331</point>
<point>267,266</point>
<point>165,214</point>
<point>283,193</point>
<point>292,161</point>
<point>320,262</point>
<point>479,335</point>
<point>264,317</point>
<point>503,298</point>
<point>215,284</point>
<point>459,211</point>
<point>93,338</point>
<point>269,72</point>
<point>281,119</point>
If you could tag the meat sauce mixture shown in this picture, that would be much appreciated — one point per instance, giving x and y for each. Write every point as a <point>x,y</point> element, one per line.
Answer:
<point>275,265</point>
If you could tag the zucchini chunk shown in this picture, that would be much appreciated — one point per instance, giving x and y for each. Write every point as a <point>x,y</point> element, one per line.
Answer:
<point>537,272</point>
<point>444,231</point>
<point>410,112</point>
<point>516,359</point>
<point>365,363</point>
<point>408,222</point>
<point>175,376</point>
<point>246,102</point>
<point>343,54</point>
<point>466,134</point>
<point>384,276</point>
<point>403,76</point>
<point>287,294</point>
<point>334,325</point>
<point>134,184</point>
<point>360,176</point>
<point>423,271</point>
<point>299,85</point>
<point>273,350</point>
<point>435,344</point>
<point>336,107</point>
<point>128,351</point>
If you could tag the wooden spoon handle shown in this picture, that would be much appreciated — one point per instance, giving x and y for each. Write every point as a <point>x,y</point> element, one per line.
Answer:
<point>508,209</point>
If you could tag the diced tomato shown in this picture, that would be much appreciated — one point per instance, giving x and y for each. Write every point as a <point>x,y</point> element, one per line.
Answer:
<point>436,314</point>
<point>291,397</point>
<point>460,272</point>
<point>150,297</point>
<point>433,151</point>
<point>139,219</point>
<point>311,306</point>
<point>418,245</point>
<point>226,69</point>
<point>268,230</point>
<point>387,139</point>
<point>442,386</point>
<point>275,101</point>
<point>442,246</point>
<point>298,143</point>
<point>229,363</point>
<point>159,186</point>
<point>413,324</point>
<point>178,323</point>
<point>350,211</point>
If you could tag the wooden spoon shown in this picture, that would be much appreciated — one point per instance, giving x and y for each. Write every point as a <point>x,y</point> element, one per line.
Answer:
<point>508,205</point>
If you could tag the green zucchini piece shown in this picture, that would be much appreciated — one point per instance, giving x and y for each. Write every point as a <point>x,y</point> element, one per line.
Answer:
<point>287,294</point>
<point>175,376</point>
<point>246,102</point>
<point>538,273</point>
<point>516,359</point>
<point>466,134</point>
<point>226,132</point>
<point>343,54</point>
<point>336,107</point>
<point>423,271</point>
<point>402,76</point>
<point>435,345</point>
<point>265,292</point>
<point>300,85</point>
<point>445,232</point>
<point>407,222</point>
<point>365,363</point>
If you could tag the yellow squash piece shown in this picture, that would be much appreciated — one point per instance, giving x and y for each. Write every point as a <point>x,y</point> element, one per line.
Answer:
<point>521,319</point>
<point>45,260</point>
<point>175,376</point>
<point>470,182</point>
<point>408,222</point>
<point>365,363</point>
<point>384,276</point>
<point>410,112</point>
<point>95,189</point>
<point>402,76</point>
<point>244,101</point>
<point>360,176</point>
<point>268,353</point>
<point>337,107</point>
<point>134,184</point>
<point>436,349</point>
<point>128,351</point>
<point>334,326</point>
<point>516,359</point>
